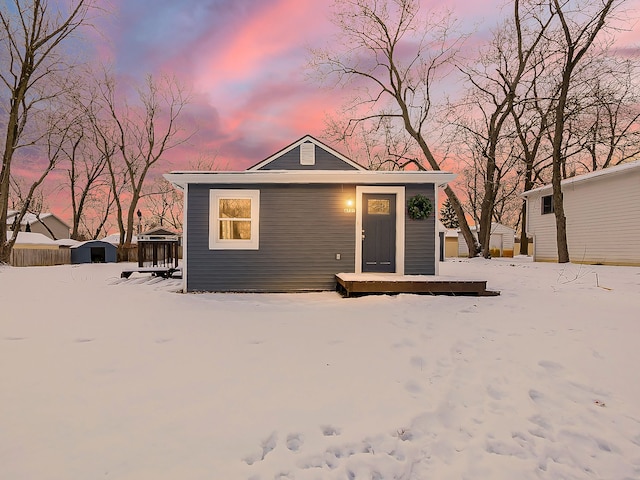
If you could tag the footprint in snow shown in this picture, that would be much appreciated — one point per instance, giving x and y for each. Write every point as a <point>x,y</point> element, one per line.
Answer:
<point>294,441</point>
<point>83,340</point>
<point>268,445</point>
<point>329,431</point>
<point>549,366</point>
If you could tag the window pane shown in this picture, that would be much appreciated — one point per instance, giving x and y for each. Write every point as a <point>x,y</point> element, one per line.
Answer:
<point>235,230</point>
<point>378,206</point>
<point>235,208</point>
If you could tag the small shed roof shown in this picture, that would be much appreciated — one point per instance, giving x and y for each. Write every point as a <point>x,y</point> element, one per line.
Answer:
<point>93,242</point>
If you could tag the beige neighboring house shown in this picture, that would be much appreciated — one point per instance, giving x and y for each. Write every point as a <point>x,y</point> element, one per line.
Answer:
<point>46,223</point>
<point>603,217</point>
<point>500,242</point>
<point>33,241</point>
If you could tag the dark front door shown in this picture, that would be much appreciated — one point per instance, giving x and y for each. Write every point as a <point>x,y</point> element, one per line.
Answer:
<point>378,232</point>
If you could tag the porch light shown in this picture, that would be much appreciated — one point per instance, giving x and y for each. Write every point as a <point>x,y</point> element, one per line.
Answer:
<point>349,206</point>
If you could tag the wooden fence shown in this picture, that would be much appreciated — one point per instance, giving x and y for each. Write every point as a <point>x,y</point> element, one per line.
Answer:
<point>39,257</point>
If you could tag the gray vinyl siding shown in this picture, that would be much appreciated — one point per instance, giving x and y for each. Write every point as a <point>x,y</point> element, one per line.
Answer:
<point>291,161</point>
<point>420,236</point>
<point>302,228</point>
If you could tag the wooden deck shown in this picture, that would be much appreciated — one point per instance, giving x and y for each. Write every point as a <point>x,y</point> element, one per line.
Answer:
<point>164,272</point>
<point>350,284</point>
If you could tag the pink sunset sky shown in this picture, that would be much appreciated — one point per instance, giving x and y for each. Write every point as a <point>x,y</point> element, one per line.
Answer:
<point>245,61</point>
<point>245,64</point>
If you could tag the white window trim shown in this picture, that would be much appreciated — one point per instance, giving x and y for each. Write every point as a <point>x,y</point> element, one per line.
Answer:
<point>400,195</point>
<point>214,242</point>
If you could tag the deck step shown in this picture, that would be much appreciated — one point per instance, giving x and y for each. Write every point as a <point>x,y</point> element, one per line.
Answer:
<point>349,284</point>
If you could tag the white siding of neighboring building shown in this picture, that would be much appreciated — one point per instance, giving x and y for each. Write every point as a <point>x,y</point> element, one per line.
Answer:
<point>502,239</point>
<point>603,220</point>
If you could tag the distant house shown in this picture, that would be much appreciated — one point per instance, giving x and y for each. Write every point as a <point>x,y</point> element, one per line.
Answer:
<point>299,217</point>
<point>45,223</point>
<point>603,217</point>
<point>501,241</point>
<point>33,241</point>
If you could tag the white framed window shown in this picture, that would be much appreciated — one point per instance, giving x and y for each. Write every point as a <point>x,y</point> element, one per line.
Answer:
<point>234,219</point>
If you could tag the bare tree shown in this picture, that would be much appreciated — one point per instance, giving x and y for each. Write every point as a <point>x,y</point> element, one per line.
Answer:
<point>495,81</point>
<point>141,135</point>
<point>31,35</point>
<point>396,58</point>
<point>580,24</point>
<point>610,124</point>
<point>164,204</point>
<point>85,159</point>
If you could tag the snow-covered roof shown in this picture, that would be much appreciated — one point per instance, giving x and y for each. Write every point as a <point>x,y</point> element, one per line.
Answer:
<point>114,238</point>
<point>619,169</point>
<point>97,242</point>
<point>495,228</point>
<point>31,238</point>
<point>66,242</point>
<point>31,218</point>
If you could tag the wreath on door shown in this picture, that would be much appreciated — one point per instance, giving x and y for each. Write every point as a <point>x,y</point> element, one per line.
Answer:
<point>419,207</point>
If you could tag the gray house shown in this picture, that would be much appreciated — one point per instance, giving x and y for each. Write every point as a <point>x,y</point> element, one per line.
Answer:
<point>93,251</point>
<point>299,217</point>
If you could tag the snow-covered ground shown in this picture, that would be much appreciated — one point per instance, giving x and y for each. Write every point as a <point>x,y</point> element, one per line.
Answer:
<point>125,379</point>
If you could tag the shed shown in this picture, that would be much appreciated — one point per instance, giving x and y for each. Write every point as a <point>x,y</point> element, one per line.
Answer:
<point>93,251</point>
<point>500,242</point>
<point>296,219</point>
<point>602,209</point>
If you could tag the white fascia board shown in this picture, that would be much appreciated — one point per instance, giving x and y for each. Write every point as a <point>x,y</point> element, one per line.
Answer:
<point>359,177</point>
<point>619,169</point>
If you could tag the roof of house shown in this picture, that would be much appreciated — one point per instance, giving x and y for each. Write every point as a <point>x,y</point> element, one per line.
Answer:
<point>605,172</point>
<point>361,177</point>
<point>159,231</point>
<point>31,218</point>
<point>114,238</point>
<point>352,174</point>
<point>31,238</point>
<point>66,242</point>
<point>297,143</point>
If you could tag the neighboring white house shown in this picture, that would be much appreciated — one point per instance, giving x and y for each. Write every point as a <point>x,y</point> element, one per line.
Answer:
<point>45,223</point>
<point>500,242</point>
<point>603,217</point>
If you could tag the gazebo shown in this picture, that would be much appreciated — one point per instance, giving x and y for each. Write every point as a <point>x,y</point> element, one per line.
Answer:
<point>158,247</point>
